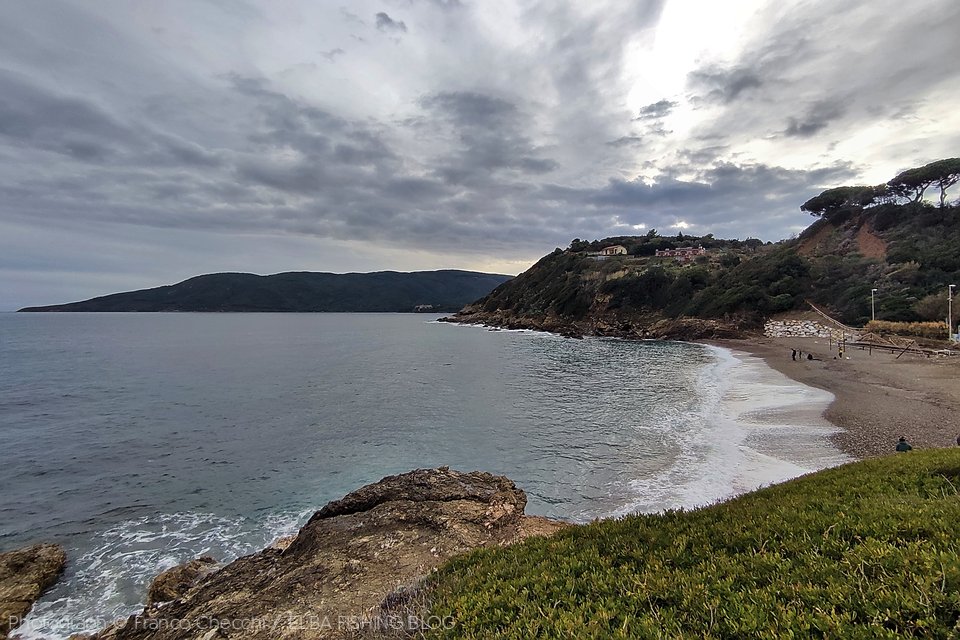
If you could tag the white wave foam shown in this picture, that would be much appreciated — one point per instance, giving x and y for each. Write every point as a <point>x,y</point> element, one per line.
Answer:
<point>110,579</point>
<point>753,427</point>
<point>490,327</point>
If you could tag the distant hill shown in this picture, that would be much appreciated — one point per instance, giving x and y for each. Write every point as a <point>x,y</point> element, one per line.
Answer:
<point>886,237</point>
<point>445,290</point>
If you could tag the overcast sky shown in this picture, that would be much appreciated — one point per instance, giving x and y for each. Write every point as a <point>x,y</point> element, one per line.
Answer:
<point>145,142</point>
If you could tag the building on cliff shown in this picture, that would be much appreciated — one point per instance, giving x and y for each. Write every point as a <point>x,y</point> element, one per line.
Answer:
<point>614,250</point>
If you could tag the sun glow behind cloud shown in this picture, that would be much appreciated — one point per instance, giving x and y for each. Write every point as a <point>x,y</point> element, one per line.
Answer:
<point>477,134</point>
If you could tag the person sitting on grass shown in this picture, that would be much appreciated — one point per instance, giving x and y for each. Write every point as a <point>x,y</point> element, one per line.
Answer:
<point>903,445</point>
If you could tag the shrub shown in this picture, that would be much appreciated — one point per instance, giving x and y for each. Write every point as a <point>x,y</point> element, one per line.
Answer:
<point>935,330</point>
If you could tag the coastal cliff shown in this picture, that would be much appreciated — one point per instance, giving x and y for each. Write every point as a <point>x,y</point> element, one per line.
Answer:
<point>865,240</point>
<point>349,568</point>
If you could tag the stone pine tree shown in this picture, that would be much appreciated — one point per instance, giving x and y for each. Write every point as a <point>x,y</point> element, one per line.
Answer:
<point>840,199</point>
<point>913,183</point>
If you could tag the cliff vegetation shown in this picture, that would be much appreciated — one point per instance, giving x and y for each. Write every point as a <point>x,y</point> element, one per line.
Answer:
<point>886,237</point>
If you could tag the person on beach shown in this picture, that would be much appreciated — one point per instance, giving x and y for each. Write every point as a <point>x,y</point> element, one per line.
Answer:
<point>793,356</point>
<point>903,445</point>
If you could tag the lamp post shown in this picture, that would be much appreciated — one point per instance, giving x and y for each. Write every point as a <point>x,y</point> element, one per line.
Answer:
<point>950,311</point>
<point>873,304</point>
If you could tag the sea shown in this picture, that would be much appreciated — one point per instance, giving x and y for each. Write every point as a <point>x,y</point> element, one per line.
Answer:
<point>140,441</point>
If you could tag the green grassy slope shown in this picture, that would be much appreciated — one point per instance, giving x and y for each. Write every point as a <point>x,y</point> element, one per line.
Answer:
<point>867,550</point>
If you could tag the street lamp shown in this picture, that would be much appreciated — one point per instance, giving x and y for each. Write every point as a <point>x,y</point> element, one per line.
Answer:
<point>873,304</point>
<point>950,311</point>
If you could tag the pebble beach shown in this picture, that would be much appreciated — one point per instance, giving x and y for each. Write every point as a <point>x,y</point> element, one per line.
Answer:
<point>877,396</point>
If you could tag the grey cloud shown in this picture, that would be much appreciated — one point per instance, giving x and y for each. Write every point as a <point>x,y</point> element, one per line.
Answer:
<point>723,198</point>
<point>297,178</point>
<point>804,58</point>
<point>84,150</point>
<point>817,118</point>
<point>626,141</point>
<point>186,153</point>
<point>353,154</point>
<point>704,156</point>
<point>471,109</point>
<point>32,116</point>
<point>447,4</point>
<point>386,23</point>
<point>351,17</point>
<point>490,131</point>
<point>536,165</point>
<point>658,109</point>
<point>419,189</point>
<point>331,55</point>
<point>724,85</point>
<point>457,142</point>
<point>903,109</point>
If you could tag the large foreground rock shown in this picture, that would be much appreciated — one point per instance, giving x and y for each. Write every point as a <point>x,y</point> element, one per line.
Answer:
<point>24,575</point>
<point>346,561</point>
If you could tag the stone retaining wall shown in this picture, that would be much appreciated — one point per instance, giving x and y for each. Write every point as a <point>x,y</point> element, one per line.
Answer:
<point>802,329</point>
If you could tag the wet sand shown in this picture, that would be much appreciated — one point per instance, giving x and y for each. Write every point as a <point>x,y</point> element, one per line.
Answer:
<point>878,397</point>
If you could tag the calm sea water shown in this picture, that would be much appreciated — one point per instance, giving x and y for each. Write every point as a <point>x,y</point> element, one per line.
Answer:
<point>142,440</point>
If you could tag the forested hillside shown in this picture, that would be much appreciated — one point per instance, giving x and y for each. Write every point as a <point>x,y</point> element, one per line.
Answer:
<point>887,237</point>
<point>302,291</point>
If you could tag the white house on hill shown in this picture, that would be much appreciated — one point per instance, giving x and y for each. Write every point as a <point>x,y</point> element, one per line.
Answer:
<point>614,250</point>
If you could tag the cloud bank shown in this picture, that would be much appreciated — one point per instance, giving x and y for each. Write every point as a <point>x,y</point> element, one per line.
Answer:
<point>140,144</point>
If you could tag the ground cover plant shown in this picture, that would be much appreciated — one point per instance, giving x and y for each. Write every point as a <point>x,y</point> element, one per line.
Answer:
<point>867,550</point>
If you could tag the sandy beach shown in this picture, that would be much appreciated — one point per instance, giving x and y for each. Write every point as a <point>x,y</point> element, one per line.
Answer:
<point>878,397</point>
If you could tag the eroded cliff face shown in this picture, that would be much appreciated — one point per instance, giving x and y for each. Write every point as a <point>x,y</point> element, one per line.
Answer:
<point>347,564</point>
<point>24,575</point>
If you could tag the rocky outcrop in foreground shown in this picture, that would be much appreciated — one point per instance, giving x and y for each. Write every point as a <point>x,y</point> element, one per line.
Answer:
<point>24,575</point>
<point>349,565</point>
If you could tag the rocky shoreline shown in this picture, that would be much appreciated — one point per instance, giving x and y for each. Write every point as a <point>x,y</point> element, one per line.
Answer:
<point>354,568</point>
<point>614,325</point>
<point>24,575</point>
